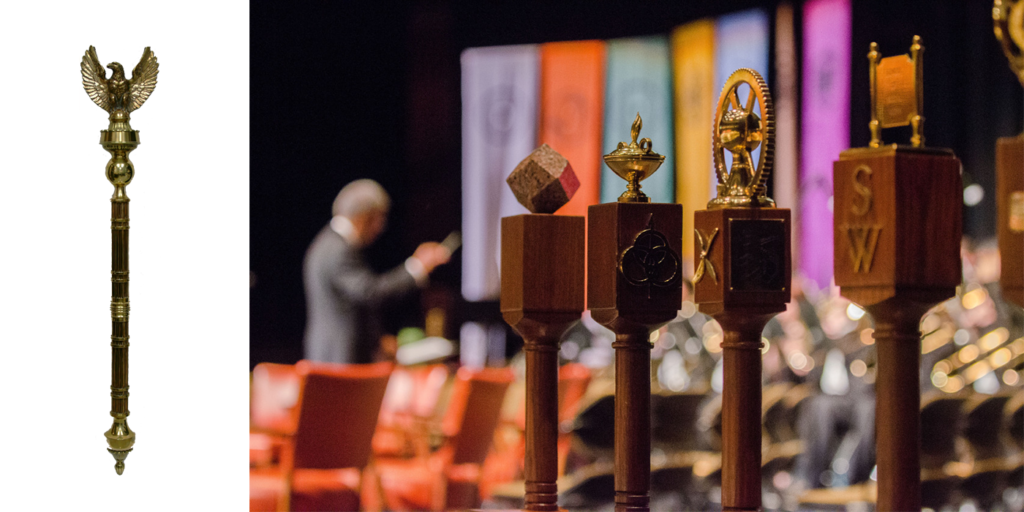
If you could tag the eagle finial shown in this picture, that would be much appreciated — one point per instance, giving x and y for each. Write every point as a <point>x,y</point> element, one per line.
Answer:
<point>119,95</point>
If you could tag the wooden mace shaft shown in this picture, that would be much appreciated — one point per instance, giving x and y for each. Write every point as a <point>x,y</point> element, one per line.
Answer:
<point>632,421</point>
<point>119,308</point>
<point>897,409</point>
<point>541,424</point>
<point>741,411</point>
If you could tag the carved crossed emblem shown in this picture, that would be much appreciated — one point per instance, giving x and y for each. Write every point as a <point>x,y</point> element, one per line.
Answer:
<point>705,264</point>
<point>650,261</point>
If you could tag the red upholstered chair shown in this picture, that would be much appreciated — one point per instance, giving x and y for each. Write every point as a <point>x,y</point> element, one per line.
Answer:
<point>573,380</point>
<point>506,463</point>
<point>409,402</point>
<point>323,460</point>
<point>449,477</point>
<point>275,392</point>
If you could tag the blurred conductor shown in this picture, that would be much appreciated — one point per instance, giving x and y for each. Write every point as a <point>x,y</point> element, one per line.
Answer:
<point>344,297</point>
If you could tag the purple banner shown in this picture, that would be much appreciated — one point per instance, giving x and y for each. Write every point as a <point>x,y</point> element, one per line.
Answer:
<point>825,128</point>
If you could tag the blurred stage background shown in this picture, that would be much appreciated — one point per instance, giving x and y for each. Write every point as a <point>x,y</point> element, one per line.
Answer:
<point>342,91</point>
<point>335,83</point>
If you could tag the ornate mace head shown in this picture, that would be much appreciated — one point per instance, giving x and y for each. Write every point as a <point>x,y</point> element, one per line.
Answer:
<point>1008,17</point>
<point>634,162</point>
<point>741,127</point>
<point>118,94</point>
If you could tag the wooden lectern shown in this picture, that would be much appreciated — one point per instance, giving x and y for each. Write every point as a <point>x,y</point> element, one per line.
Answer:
<point>897,219</point>
<point>743,274</point>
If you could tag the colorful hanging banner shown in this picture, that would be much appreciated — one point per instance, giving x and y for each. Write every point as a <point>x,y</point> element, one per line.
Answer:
<point>499,129</point>
<point>825,124</point>
<point>571,112</point>
<point>741,41</point>
<point>639,81</point>
<point>693,55</point>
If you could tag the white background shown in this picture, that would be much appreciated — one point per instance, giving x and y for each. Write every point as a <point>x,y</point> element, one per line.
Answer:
<point>189,244</point>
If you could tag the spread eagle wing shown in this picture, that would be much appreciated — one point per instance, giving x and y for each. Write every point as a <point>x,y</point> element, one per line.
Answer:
<point>94,78</point>
<point>143,80</point>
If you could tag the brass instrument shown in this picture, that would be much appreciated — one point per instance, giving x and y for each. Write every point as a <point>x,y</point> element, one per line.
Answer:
<point>119,96</point>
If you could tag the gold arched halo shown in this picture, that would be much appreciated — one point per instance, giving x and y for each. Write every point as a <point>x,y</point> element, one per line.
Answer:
<point>739,129</point>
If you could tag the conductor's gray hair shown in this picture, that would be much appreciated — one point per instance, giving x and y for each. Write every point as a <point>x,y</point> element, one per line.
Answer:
<point>360,197</point>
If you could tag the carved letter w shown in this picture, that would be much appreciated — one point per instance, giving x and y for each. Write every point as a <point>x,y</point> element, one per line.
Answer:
<point>863,240</point>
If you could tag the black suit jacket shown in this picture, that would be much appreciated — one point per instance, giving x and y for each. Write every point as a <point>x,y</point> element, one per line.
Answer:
<point>344,300</point>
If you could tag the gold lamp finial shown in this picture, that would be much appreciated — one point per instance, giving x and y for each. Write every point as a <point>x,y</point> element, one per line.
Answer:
<point>634,132</point>
<point>740,130</point>
<point>634,162</point>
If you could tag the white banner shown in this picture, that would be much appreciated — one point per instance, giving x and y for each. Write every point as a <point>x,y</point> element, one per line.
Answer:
<point>499,128</point>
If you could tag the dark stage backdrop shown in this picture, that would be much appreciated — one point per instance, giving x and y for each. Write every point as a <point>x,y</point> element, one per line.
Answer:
<point>347,90</point>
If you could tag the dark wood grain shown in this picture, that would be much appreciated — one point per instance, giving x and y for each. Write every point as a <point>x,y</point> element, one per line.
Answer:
<point>912,198</point>
<point>542,269</point>
<point>751,259</point>
<point>1010,179</point>
<point>897,404</point>
<point>916,203</point>
<point>615,234</point>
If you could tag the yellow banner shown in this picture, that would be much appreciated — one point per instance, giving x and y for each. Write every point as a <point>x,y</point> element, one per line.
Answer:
<point>693,57</point>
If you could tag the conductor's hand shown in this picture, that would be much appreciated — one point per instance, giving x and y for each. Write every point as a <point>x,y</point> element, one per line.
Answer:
<point>431,255</point>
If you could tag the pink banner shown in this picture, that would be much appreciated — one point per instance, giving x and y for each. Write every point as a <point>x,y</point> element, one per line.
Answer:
<point>825,128</point>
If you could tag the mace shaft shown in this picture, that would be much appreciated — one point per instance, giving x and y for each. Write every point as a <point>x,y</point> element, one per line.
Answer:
<point>119,307</point>
<point>541,464</point>
<point>741,410</point>
<point>632,421</point>
<point>898,403</point>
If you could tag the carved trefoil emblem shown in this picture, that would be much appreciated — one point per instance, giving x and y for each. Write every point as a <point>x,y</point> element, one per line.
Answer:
<point>650,261</point>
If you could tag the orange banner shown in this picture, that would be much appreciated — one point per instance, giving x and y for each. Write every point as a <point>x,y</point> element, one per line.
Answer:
<point>571,113</point>
<point>693,67</point>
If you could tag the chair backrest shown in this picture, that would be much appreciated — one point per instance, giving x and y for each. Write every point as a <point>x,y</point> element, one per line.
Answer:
<point>941,424</point>
<point>984,422</point>
<point>413,391</point>
<point>473,412</point>
<point>1013,415</point>
<point>275,393</point>
<point>337,413</point>
<point>573,379</point>
<point>674,421</point>
<point>430,381</point>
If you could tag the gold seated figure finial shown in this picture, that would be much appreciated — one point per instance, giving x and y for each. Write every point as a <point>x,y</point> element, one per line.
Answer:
<point>897,93</point>
<point>740,130</point>
<point>634,162</point>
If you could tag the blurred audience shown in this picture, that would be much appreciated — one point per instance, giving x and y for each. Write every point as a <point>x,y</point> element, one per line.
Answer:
<point>819,373</point>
